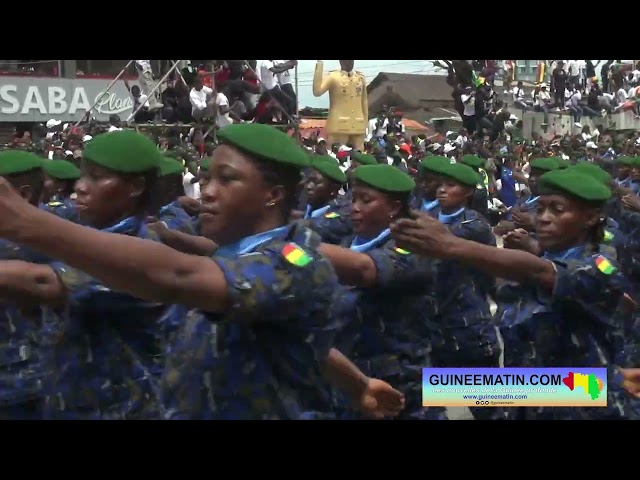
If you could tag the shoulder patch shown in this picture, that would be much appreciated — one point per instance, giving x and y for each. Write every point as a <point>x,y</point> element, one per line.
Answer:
<point>332,215</point>
<point>293,254</point>
<point>604,265</point>
<point>402,251</point>
<point>608,236</point>
<point>55,204</point>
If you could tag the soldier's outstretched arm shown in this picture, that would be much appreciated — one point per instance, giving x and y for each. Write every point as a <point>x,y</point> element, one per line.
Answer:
<point>321,84</point>
<point>377,399</point>
<point>30,282</point>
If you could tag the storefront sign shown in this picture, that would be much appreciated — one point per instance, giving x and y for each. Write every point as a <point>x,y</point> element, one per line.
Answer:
<point>24,99</point>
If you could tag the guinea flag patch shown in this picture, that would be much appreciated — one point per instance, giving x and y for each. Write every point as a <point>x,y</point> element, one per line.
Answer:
<point>402,251</point>
<point>604,265</point>
<point>295,255</point>
<point>332,215</point>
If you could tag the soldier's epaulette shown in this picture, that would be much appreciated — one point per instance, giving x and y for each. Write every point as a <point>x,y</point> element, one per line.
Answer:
<point>55,204</point>
<point>331,215</point>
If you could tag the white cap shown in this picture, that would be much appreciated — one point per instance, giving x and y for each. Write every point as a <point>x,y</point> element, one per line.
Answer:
<point>513,117</point>
<point>113,129</point>
<point>344,148</point>
<point>53,123</point>
<point>592,145</point>
<point>86,138</point>
<point>68,152</point>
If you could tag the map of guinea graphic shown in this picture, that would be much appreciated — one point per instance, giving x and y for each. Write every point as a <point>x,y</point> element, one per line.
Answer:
<point>591,384</point>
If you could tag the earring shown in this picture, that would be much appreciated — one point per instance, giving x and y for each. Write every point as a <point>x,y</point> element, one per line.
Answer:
<point>271,204</point>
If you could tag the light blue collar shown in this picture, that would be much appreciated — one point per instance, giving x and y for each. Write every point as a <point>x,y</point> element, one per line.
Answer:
<point>570,254</point>
<point>249,244</point>
<point>315,213</point>
<point>447,219</point>
<point>362,245</point>
<point>168,207</point>
<point>428,206</point>
<point>531,200</point>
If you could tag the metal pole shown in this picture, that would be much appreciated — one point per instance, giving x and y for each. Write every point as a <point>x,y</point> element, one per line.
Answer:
<point>60,69</point>
<point>106,91</point>
<point>175,64</point>
<point>297,94</point>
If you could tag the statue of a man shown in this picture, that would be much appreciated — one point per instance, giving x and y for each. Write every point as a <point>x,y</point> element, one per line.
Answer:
<point>348,108</point>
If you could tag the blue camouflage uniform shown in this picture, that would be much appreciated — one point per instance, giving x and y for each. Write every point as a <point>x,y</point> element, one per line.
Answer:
<point>63,208</point>
<point>332,222</point>
<point>22,367</point>
<point>576,325</point>
<point>470,337</point>
<point>107,349</point>
<point>175,218</point>
<point>387,329</point>
<point>259,360</point>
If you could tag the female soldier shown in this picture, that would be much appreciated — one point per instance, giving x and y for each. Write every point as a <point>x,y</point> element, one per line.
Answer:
<point>325,217</point>
<point>106,354</point>
<point>425,198</point>
<point>267,290</point>
<point>469,337</point>
<point>386,319</point>
<point>563,310</point>
<point>59,179</point>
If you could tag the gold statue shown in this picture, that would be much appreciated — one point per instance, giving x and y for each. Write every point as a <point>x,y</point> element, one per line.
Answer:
<point>348,108</point>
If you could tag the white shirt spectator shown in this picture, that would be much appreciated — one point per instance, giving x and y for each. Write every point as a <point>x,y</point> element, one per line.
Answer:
<point>621,96</point>
<point>469,105</point>
<point>144,100</point>
<point>199,97</point>
<point>636,76</point>
<point>574,68</point>
<point>223,120</point>
<point>518,94</point>
<point>144,64</point>
<point>380,132</point>
<point>265,75</point>
<point>284,78</point>
<point>544,98</point>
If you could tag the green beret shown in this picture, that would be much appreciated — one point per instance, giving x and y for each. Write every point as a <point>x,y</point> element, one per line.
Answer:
<point>562,163</point>
<point>462,174</point>
<point>205,164</point>
<point>61,170</point>
<point>576,184</point>
<point>170,166</point>
<point>123,151</point>
<point>264,142</point>
<point>473,161</point>
<point>624,160</point>
<point>364,159</point>
<point>593,171</point>
<point>635,162</point>
<point>545,164</point>
<point>328,167</point>
<point>385,178</point>
<point>18,161</point>
<point>434,164</point>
